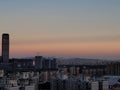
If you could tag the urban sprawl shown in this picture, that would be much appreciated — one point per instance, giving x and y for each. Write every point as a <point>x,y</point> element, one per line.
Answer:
<point>46,73</point>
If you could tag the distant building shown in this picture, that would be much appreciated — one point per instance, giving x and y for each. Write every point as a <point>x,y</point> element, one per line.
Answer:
<point>53,64</point>
<point>22,64</point>
<point>46,64</point>
<point>5,48</point>
<point>38,62</point>
<point>89,70</point>
<point>113,68</point>
<point>49,64</point>
<point>42,63</point>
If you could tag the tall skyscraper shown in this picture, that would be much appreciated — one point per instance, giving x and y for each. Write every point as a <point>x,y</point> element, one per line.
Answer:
<point>5,48</point>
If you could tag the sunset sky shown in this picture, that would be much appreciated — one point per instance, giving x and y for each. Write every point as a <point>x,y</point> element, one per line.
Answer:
<point>63,28</point>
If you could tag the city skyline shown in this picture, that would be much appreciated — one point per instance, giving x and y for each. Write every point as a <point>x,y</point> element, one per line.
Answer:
<point>88,29</point>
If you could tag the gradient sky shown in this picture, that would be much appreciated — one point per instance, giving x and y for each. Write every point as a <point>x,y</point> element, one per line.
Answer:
<point>70,28</point>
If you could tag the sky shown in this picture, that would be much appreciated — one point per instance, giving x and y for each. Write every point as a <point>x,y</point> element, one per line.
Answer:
<point>62,28</point>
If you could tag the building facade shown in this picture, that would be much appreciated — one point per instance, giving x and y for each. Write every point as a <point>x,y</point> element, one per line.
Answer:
<point>5,48</point>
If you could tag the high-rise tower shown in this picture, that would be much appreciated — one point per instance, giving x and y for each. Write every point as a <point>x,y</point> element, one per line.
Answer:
<point>5,48</point>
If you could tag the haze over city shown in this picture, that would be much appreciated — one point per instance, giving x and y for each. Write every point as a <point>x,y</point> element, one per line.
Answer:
<point>67,28</point>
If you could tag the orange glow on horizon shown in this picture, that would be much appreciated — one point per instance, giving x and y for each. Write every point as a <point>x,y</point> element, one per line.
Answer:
<point>68,49</point>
